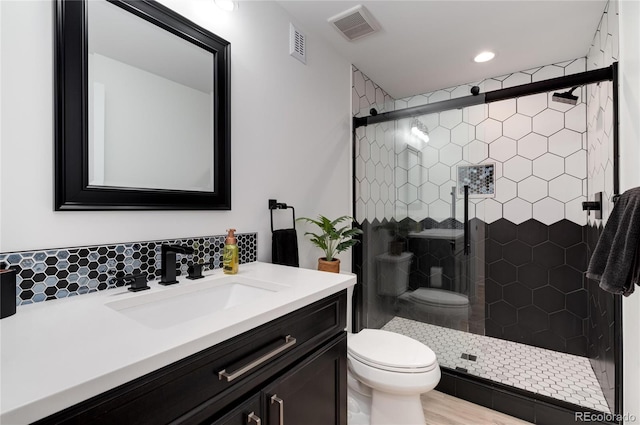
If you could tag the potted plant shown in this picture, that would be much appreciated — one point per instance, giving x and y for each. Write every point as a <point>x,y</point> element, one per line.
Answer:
<point>331,240</point>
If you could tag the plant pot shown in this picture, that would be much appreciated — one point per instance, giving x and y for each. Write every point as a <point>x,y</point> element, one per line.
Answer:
<point>332,266</point>
<point>396,247</point>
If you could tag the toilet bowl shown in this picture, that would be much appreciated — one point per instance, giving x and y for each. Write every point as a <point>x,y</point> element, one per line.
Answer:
<point>432,305</point>
<point>387,372</point>
<point>437,306</point>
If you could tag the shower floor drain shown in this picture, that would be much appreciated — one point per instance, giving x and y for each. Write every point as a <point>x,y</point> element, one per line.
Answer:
<point>471,357</point>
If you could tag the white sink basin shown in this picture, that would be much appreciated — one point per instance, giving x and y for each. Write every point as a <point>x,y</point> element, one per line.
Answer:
<point>188,301</point>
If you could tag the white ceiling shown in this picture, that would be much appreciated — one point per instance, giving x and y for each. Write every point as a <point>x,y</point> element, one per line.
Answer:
<point>428,45</point>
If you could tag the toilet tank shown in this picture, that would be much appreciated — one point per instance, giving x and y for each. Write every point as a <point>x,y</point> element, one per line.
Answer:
<point>393,273</point>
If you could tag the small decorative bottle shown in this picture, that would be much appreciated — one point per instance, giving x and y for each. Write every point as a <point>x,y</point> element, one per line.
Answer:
<point>230,257</point>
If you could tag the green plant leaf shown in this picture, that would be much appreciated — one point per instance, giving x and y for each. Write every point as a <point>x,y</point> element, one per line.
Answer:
<point>332,240</point>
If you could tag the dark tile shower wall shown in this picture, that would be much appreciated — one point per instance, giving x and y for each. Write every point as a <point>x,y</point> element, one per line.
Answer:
<point>535,292</point>
<point>601,331</point>
<point>445,254</point>
<point>466,274</point>
<point>525,282</point>
<point>63,272</point>
<point>460,273</point>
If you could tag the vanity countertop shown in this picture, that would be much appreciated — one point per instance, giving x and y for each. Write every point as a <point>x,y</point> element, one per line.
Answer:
<point>55,354</point>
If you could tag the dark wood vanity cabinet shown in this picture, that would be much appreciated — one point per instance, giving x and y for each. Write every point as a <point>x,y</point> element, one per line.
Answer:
<point>310,393</point>
<point>290,371</point>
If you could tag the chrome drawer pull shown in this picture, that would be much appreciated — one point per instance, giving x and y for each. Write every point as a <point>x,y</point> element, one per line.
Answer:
<point>251,417</point>
<point>276,399</point>
<point>289,342</point>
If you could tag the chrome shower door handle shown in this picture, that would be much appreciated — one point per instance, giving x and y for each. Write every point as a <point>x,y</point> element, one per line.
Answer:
<point>276,399</point>
<point>252,418</point>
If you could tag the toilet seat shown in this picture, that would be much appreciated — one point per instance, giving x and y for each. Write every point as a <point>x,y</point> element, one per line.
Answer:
<point>390,352</point>
<point>438,297</point>
<point>389,373</point>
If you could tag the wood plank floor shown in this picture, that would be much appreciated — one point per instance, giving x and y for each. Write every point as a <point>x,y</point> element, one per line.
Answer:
<point>443,409</point>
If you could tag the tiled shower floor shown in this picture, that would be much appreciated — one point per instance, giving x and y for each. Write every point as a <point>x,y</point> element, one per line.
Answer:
<point>561,376</point>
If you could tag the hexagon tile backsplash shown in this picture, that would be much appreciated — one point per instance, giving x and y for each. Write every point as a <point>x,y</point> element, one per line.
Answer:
<point>64,272</point>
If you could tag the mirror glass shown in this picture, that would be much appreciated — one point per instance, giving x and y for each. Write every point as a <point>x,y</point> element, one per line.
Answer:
<point>150,105</point>
<point>142,109</point>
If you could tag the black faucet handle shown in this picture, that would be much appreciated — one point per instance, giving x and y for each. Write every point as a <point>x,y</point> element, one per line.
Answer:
<point>195,271</point>
<point>138,282</point>
<point>180,249</point>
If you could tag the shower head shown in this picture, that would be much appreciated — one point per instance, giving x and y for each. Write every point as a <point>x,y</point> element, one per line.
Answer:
<point>566,97</point>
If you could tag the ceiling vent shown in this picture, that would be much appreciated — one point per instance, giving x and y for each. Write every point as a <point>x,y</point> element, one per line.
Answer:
<point>355,23</point>
<point>297,44</point>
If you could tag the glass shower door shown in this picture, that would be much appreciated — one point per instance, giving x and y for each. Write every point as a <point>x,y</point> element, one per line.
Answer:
<point>434,164</point>
<point>495,279</point>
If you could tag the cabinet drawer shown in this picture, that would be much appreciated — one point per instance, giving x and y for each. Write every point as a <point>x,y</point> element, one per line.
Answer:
<point>192,387</point>
<point>312,392</point>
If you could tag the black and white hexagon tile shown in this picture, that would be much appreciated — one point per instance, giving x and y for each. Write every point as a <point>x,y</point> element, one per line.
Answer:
<point>63,272</point>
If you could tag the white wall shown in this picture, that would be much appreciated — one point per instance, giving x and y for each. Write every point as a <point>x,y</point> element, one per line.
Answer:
<point>132,104</point>
<point>290,135</point>
<point>1,104</point>
<point>630,177</point>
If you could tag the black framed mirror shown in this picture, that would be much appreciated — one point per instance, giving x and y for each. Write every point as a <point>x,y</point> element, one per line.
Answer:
<point>142,109</point>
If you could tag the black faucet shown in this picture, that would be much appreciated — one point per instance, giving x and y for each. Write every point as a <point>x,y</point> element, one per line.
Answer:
<point>168,262</point>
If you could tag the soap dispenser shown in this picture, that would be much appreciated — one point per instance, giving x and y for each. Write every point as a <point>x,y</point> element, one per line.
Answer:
<point>230,258</point>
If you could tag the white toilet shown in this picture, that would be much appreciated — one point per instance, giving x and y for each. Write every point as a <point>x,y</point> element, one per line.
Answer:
<point>431,305</point>
<point>392,273</point>
<point>387,372</point>
<point>437,306</point>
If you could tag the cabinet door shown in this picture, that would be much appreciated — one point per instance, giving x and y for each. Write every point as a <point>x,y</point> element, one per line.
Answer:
<point>313,392</point>
<point>247,413</point>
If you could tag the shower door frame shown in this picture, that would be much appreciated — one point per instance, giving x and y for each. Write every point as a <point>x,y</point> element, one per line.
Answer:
<point>609,73</point>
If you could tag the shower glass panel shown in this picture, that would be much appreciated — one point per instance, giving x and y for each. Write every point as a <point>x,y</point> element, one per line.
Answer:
<point>478,249</point>
<point>432,172</point>
<point>443,297</point>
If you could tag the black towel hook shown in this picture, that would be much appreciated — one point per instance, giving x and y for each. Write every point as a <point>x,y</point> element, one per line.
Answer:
<point>275,205</point>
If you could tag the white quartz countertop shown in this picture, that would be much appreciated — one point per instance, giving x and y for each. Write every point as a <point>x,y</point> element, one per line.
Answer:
<point>57,353</point>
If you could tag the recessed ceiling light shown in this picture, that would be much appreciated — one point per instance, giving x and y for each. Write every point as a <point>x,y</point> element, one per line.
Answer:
<point>484,56</point>
<point>227,5</point>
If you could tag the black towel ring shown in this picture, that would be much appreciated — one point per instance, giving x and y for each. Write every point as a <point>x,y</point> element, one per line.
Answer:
<point>275,205</point>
